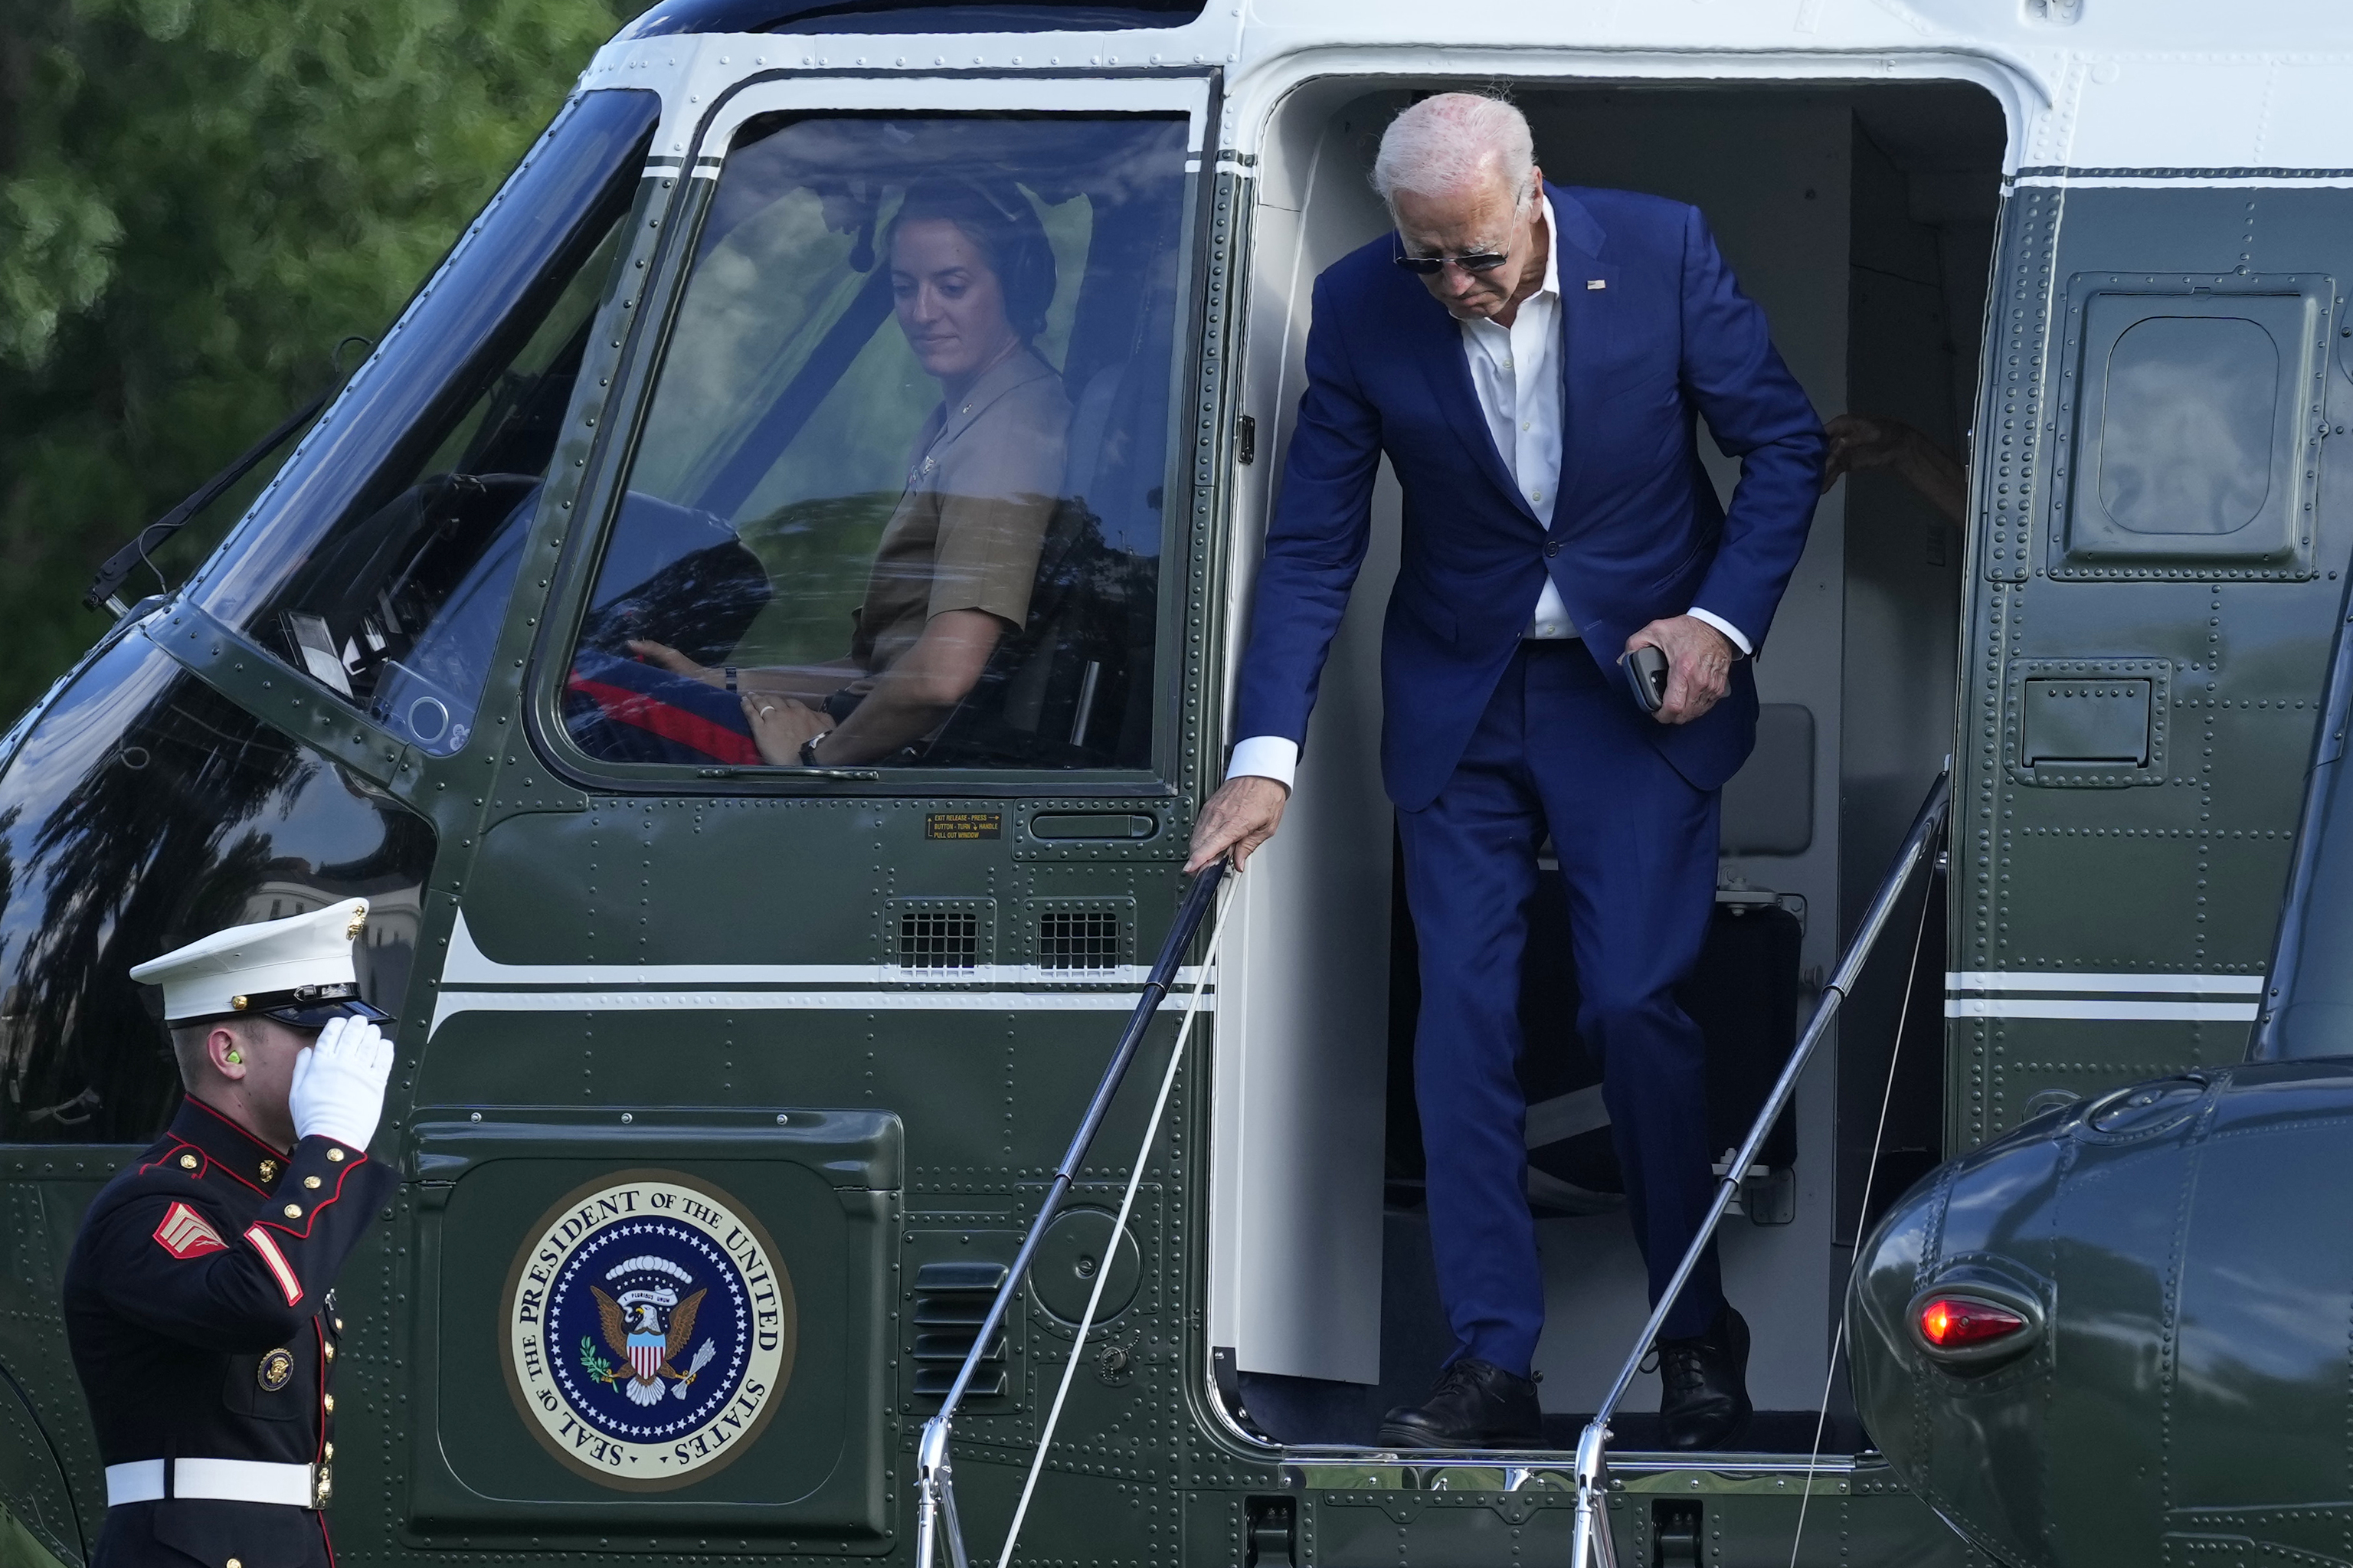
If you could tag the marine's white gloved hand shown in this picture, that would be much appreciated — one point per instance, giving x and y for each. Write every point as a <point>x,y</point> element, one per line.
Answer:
<point>339,1083</point>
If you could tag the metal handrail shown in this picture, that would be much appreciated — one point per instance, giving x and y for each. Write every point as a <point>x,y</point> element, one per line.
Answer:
<point>934,1476</point>
<point>1591,1544</point>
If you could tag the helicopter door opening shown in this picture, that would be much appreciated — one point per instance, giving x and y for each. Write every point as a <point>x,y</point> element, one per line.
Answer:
<point>1863,219</point>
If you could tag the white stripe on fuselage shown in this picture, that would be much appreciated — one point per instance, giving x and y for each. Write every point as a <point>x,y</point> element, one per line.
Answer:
<point>2103,984</point>
<point>2284,179</point>
<point>468,965</point>
<point>473,981</point>
<point>903,1000</point>
<point>2118,1011</point>
<point>2106,997</point>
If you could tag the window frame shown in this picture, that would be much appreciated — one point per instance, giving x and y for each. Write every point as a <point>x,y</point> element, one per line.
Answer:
<point>2298,310</point>
<point>1180,634</point>
<point>389,373</point>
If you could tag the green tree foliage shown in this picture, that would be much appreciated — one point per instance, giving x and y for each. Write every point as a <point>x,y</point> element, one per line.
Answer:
<point>196,202</point>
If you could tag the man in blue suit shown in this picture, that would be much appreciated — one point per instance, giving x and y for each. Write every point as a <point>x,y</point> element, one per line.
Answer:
<point>1533,360</point>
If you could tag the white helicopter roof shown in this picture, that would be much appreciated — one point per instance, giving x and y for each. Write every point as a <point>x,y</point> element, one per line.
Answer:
<point>2093,90</point>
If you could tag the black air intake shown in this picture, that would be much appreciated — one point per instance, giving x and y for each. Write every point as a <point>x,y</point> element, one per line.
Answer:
<point>939,941</point>
<point>1078,939</point>
<point>951,1299</point>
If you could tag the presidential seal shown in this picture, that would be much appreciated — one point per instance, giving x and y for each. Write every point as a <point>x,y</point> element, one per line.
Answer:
<point>650,1329</point>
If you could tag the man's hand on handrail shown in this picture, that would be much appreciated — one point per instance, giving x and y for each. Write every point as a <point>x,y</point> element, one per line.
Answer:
<point>1242,815</point>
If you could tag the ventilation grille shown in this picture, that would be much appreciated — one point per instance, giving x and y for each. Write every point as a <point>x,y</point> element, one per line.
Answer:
<point>1078,939</point>
<point>951,1301</point>
<point>939,941</point>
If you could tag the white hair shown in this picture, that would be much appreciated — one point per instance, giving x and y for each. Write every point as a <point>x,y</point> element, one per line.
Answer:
<point>1451,140</point>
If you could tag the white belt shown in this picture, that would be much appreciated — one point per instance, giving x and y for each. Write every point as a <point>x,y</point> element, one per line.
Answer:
<point>224,1480</point>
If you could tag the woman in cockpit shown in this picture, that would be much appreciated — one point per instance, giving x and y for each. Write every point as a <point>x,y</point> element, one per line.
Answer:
<point>972,275</point>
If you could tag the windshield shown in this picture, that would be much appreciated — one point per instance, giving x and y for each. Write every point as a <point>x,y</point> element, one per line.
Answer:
<point>381,559</point>
<point>901,491</point>
<point>143,810</point>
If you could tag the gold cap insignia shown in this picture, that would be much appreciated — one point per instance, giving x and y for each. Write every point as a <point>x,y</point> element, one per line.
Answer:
<point>359,924</point>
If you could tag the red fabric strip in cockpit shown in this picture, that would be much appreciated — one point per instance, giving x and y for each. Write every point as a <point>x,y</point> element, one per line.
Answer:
<point>685,714</point>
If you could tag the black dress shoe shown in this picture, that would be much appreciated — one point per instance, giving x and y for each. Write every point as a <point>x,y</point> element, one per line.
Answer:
<point>1475,1405</point>
<point>1703,1384</point>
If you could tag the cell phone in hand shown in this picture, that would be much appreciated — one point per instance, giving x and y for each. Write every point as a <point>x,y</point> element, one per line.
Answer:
<point>1646,671</point>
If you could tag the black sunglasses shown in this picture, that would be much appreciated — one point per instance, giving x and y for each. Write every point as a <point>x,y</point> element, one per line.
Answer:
<point>1429,266</point>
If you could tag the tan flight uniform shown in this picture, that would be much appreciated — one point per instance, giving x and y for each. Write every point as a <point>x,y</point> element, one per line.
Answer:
<point>981,490</point>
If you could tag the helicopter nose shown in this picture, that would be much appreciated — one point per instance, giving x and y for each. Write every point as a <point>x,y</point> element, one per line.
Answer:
<point>2118,1334</point>
<point>1948,1321</point>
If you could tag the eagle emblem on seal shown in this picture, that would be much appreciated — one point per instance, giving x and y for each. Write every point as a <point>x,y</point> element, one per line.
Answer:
<point>649,1325</point>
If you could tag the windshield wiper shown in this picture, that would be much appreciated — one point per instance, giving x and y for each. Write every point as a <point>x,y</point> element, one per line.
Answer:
<point>105,590</point>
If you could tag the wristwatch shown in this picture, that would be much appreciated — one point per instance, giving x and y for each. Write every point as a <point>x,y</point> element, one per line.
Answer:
<point>809,749</point>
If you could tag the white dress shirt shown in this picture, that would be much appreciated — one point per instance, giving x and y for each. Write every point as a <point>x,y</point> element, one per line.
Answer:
<point>1515,371</point>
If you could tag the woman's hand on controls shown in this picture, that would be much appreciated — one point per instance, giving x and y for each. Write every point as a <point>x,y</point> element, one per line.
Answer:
<point>781,727</point>
<point>676,662</point>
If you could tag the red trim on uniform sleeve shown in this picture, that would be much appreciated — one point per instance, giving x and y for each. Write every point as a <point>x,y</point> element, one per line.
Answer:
<point>317,1206</point>
<point>287,1281</point>
<point>185,1233</point>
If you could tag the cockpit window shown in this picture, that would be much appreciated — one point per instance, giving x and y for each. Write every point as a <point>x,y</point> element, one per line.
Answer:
<point>382,559</point>
<point>899,498</point>
<point>143,811</point>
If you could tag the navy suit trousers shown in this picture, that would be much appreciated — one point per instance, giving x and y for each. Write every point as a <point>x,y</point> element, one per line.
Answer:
<point>1559,748</point>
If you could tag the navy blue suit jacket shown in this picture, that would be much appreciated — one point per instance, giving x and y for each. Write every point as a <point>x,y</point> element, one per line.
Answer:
<point>1666,337</point>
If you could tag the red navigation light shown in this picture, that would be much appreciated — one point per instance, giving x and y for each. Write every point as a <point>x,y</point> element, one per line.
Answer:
<point>1951,1322</point>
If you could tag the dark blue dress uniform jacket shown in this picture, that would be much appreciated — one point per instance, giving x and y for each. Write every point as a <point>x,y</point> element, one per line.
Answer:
<point>199,1304</point>
<point>1655,335</point>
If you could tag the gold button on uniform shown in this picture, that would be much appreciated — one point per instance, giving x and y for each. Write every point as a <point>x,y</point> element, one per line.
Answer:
<point>329,1402</point>
<point>293,1211</point>
<point>334,1156</point>
<point>233,1563</point>
<point>309,1180</point>
<point>338,1325</point>
<point>330,1351</point>
<point>331,1451</point>
<point>187,1162</point>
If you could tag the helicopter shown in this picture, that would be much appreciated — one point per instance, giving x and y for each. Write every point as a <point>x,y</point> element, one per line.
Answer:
<point>487,647</point>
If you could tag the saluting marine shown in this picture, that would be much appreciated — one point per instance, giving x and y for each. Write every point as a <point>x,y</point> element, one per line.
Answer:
<point>199,1298</point>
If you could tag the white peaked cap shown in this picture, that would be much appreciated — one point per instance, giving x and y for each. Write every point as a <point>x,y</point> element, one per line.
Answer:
<point>255,965</point>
